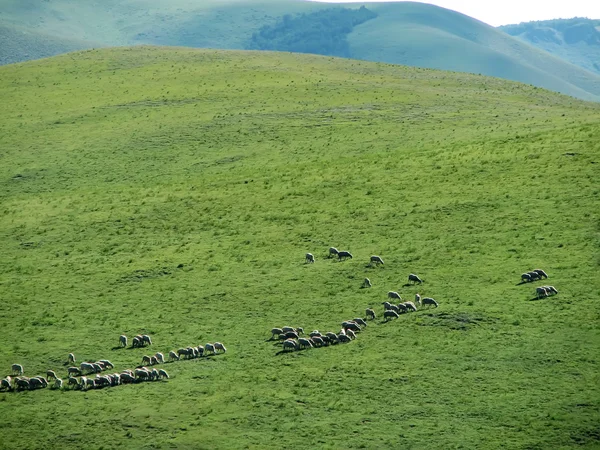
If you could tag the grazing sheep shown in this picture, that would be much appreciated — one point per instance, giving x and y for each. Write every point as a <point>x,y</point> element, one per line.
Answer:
<point>287,329</point>
<point>71,359</point>
<point>146,339</point>
<point>350,334</point>
<point>91,383</point>
<point>106,363</point>
<point>390,314</point>
<point>541,292</point>
<point>526,278</point>
<point>550,290</point>
<point>51,374</point>
<point>534,276</point>
<point>344,255</point>
<point>86,367</point>
<point>344,338</point>
<point>5,383</point>
<point>160,357</point>
<point>153,360</point>
<point>194,352</point>
<point>17,369</point>
<point>376,259</point>
<point>540,273</point>
<point>127,378</point>
<point>331,335</point>
<point>210,348</point>
<point>291,335</point>
<point>367,283</point>
<point>410,306</point>
<point>219,346</point>
<point>394,294</point>
<point>360,321</point>
<point>103,380</point>
<point>276,332</point>
<point>351,326</point>
<point>21,383</point>
<point>414,278</point>
<point>402,308</point>
<point>83,383</point>
<point>290,344</point>
<point>315,333</point>
<point>299,330</point>
<point>136,342</point>
<point>142,373</point>
<point>429,301</point>
<point>304,343</point>
<point>418,299</point>
<point>123,340</point>
<point>387,306</point>
<point>183,352</point>
<point>97,367</point>
<point>72,381</point>
<point>173,356</point>
<point>58,383</point>
<point>369,313</point>
<point>333,251</point>
<point>200,349</point>
<point>318,341</point>
<point>154,374</point>
<point>163,373</point>
<point>310,258</point>
<point>73,371</point>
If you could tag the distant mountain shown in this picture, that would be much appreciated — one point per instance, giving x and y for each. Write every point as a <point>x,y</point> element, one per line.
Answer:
<point>576,40</point>
<point>409,33</point>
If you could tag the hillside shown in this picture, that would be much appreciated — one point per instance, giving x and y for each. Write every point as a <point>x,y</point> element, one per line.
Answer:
<point>409,33</point>
<point>576,40</point>
<point>175,193</point>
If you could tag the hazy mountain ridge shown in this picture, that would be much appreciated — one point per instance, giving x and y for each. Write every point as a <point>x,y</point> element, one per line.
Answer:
<point>408,33</point>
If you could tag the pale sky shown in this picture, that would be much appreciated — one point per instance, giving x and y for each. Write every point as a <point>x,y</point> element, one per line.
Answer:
<point>504,12</point>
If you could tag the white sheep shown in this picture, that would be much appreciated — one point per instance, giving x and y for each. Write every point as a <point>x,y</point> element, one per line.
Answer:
<point>333,251</point>
<point>17,369</point>
<point>146,339</point>
<point>418,299</point>
<point>344,338</point>
<point>127,378</point>
<point>123,340</point>
<point>541,292</point>
<point>387,306</point>
<point>160,357</point>
<point>163,373</point>
<point>343,255</point>
<point>310,258</point>
<point>22,383</point>
<point>429,301</point>
<point>410,306</point>
<point>145,359</point>
<point>525,277</point>
<point>5,383</point>
<point>369,313</point>
<point>414,278</point>
<point>73,371</point>
<point>51,374</point>
<point>173,356</point>
<point>389,314</point>
<point>304,343</point>
<point>540,273</point>
<point>376,259</point>
<point>394,294</point>
<point>290,344</point>
<point>106,363</point>
<point>534,275</point>
<point>276,332</point>
<point>210,348</point>
<point>367,283</point>
<point>71,359</point>
<point>83,383</point>
<point>72,381</point>
<point>332,336</point>
<point>350,334</point>
<point>360,321</point>
<point>318,341</point>
<point>87,367</point>
<point>219,346</point>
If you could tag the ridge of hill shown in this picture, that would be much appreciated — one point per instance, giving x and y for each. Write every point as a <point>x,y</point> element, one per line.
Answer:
<point>576,40</point>
<point>174,192</point>
<point>409,33</point>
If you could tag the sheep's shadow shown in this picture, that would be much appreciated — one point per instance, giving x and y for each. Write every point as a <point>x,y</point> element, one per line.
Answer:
<point>524,282</point>
<point>117,347</point>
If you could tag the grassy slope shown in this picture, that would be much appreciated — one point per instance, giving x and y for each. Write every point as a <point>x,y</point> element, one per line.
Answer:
<point>404,33</point>
<point>235,164</point>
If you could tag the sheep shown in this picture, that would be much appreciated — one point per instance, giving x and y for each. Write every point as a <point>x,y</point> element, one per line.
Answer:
<point>299,330</point>
<point>343,338</point>
<point>42,380</point>
<point>106,363</point>
<point>390,314</point>
<point>200,350</point>
<point>291,335</point>
<point>123,340</point>
<point>146,340</point>
<point>287,329</point>
<point>71,359</point>
<point>367,283</point>
<point>541,292</point>
<point>551,290</point>
<point>173,356</point>
<point>387,306</point>
<point>350,334</point>
<point>343,255</point>
<point>351,326</point>
<point>376,259</point>
<point>210,348</point>
<point>194,352</point>
<point>534,275</point>
<point>5,383</point>
<point>154,375</point>
<point>360,321</point>
<point>290,344</point>
<point>310,258</point>
<point>22,383</point>
<point>126,378</point>
<point>142,373</point>
<point>525,278</point>
<point>17,369</point>
<point>333,251</point>
<point>332,336</point>
<point>402,308</point>
<point>160,357</point>
<point>89,367</point>
<point>315,333</point>
<point>369,313</point>
<point>276,332</point>
<point>540,273</point>
<point>429,301</point>
<point>97,367</point>
<point>219,346</point>
<point>318,341</point>
<point>414,278</point>
<point>72,381</point>
<point>303,343</point>
<point>103,380</point>
<point>50,374</point>
<point>83,383</point>
<point>410,306</point>
<point>90,382</point>
<point>162,373</point>
<point>394,294</point>
<point>73,371</point>
<point>153,360</point>
<point>418,299</point>
<point>183,351</point>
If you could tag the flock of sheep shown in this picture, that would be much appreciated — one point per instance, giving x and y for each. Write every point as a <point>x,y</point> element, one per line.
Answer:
<point>19,382</point>
<point>541,291</point>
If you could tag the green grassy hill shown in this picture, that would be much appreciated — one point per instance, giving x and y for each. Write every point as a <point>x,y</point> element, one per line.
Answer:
<point>175,192</point>
<point>409,33</point>
<point>575,40</point>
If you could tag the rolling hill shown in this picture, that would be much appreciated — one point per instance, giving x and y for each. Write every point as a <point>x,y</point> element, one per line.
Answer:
<point>174,192</point>
<point>409,33</point>
<point>575,40</point>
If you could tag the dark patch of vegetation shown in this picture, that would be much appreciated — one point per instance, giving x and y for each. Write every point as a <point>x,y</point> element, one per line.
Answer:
<point>320,32</point>
<point>455,320</point>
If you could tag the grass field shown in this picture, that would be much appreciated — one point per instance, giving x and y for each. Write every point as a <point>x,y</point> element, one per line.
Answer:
<point>175,192</point>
